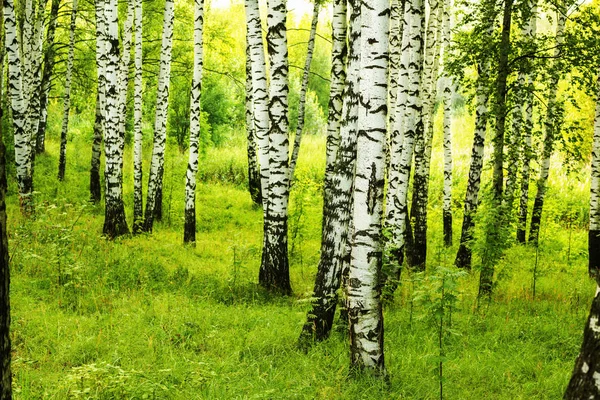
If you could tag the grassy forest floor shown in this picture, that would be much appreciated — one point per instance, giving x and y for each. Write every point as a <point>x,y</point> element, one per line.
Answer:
<point>146,318</point>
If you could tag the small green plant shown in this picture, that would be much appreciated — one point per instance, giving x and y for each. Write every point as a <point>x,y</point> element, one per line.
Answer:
<point>438,295</point>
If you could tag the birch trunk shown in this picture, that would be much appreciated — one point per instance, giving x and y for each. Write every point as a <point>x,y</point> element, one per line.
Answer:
<point>551,127</point>
<point>339,174</point>
<point>585,379</point>
<point>423,145</point>
<point>304,89</point>
<point>396,150</point>
<point>48,63</point>
<point>529,32</point>
<point>253,169</point>
<point>274,270</point>
<point>500,102</point>
<point>62,162</point>
<point>396,31</point>
<point>114,220</point>
<point>260,94</point>
<point>464,254</point>
<point>189,232</point>
<point>124,74</point>
<point>448,90</point>
<point>5,342</point>
<point>594,229</point>
<point>138,218</point>
<point>22,136</point>
<point>34,62</point>
<point>100,118</point>
<point>364,291</point>
<point>160,123</point>
<point>412,123</point>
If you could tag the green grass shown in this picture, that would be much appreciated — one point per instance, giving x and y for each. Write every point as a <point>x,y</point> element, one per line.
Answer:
<point>145,317</point>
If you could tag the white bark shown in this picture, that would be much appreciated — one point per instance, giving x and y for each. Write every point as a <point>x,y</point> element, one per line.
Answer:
<point>448,90</point>
<point>19,104</point>
<point>67,95</point>
<point>137,121</point>
<point>114,222</point>
<point>364,292</point>
<point>274,269</point>
<point>195,109</point>
<point>260,93</point>
<point>160,123</point>
<point>413,123</point>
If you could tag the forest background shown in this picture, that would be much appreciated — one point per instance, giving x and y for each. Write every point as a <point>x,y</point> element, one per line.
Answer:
<point>144,317</point>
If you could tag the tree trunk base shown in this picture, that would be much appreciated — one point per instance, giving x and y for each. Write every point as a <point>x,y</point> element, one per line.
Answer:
<point>594,253</point>
<point>584,380</point>
<point>115,223</point>
<point>447,218</point>
<point>189,228</point>
<point>274,273</point>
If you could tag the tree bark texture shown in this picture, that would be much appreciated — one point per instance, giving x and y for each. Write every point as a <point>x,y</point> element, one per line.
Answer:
<point>99,123</point>
<point>189,229</point>
<point>254,186</point>
<point>62,161</point>
<point>160,122</point>
<point>48,70</point>
<point>529,31</point>
<point>594,229</point>
<point>364,290</point>
<point>114,218</point>
<point>448,89</point>
<point>260,93</point>
<point>274,269</point>
<point>138,207</point>
<point>464,254</point>
<point>337,213</point>
<point>19,106</point>
<point>585,379</point>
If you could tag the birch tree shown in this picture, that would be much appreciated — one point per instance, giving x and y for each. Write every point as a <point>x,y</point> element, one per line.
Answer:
<point>62,162</point>
<point>412,122</point>
<point>114,219</point>
<point>100,117</point>
<point>138,218</point>
<point>339,173</point>
<point>396,142</point>
<point>584,382</point>
<point>124,75</point>
<point>551,129</point>
<point>48,69</point>
<point>422,150</point>
<point>448,89</point>
<point>253,169</point>
<point>19,104</point>
<point>160,123</point>
<point>260,94</point>
<point>304,89</point>
<point>274,269</point>
<point>594,229</point>
<point>464,253</point>
<point>189,232</point>
<point>529,32</point>
<point>364,291</point>
<point>500,101</point>
<point>5,342</point>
